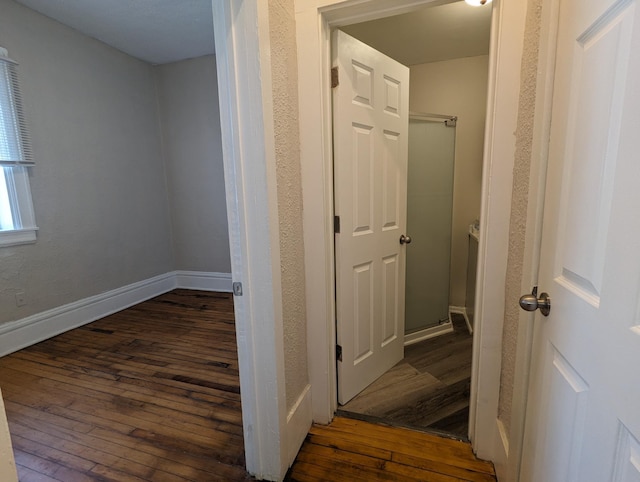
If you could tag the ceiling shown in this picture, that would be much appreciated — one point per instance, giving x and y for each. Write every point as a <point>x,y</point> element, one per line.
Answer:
<point>156,31</point>
<point>431,34</point>
<point>163,31</point>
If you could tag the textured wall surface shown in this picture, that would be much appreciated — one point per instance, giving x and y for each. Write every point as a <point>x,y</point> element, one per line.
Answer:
<point>99,187</point>
<point>192,149</point>
<point>458,87</point>
<point>517,226</point>
<point>287,144</point>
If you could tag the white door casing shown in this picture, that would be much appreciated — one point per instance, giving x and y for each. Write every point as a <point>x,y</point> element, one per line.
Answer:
<point>583,422</point>
<point>314,18</point>
<point>371,122</point>
<point>314,21</point>
<point>7,463</point>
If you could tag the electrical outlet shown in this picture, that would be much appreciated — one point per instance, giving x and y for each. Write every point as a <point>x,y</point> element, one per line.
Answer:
<point>21,298</point>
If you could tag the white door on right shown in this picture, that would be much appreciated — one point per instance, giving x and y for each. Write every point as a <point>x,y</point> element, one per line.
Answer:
<point>583,413</point>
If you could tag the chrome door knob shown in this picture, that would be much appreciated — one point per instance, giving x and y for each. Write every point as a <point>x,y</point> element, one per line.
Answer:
<point>405,239</point>
<point>532,302</point>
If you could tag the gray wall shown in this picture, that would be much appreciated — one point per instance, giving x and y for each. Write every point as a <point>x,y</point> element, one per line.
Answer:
<point>99,187</point>
<point>189,115</point>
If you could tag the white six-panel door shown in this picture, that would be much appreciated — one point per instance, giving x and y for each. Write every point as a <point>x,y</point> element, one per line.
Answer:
<point>370,124</point>
<point>583,416</point>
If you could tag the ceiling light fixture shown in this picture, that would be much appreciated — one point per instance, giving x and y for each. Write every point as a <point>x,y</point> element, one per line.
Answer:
<point>478,3</point>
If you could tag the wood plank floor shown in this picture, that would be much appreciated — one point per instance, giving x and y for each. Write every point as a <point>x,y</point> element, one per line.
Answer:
<point>152,394</point>
<point>429,388</point>
<point>354,450</point>
<point>148,394</point>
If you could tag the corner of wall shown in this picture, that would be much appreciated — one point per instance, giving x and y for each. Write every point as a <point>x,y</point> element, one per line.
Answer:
<point>156,72</point>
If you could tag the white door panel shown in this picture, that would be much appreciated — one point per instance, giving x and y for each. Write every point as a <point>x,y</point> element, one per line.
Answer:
<point>584,423</point>
<point>370,109</point>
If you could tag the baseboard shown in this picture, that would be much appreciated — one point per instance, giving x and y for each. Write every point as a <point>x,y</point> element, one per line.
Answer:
<point>19,334</point>
<point>501,451</point>
<point>16,335</point>
<point>462,310</point>
<point>298,422</point>
<point>418,336</point>
<point>198,280</point>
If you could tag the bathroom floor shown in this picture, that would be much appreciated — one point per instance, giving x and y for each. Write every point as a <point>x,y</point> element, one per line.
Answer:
<point>429,388</point>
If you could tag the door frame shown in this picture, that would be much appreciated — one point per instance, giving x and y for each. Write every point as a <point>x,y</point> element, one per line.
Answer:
<point>314,20</point>
<point>521,413</point>
<point>242,44</point>
<point>242,52</point>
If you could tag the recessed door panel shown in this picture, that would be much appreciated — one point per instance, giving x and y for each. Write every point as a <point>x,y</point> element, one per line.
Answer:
<point>363,311</point>
<point>390,288</point>
<point>363,188</point>
<point>363,84</point>
<point>598,81</point>
<point>392,178</point>
<point>565,426</point>
<point>627,465</point>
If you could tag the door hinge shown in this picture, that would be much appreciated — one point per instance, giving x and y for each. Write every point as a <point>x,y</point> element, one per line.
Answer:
<point>335,80</point>
<point>237,288</point>
<point>338,353</point>
<point>336,224</point>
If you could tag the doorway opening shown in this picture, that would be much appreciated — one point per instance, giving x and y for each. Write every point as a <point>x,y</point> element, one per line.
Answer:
<point>434,376</point>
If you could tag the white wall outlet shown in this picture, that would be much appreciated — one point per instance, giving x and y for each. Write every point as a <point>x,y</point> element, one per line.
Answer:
<point>21,298</point>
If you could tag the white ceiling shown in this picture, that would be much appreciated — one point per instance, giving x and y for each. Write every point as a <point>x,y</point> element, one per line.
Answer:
<point>432,34</point>
<point>156,31</point>
<point>163,31</point>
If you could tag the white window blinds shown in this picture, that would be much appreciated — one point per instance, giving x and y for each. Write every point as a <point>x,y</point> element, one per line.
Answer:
<point>15,145</point>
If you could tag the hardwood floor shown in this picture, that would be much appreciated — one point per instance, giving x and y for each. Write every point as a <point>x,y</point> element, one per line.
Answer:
<point>152,394</point>
<point>354,450</point>
<point>428,389</point>
<point>149,394</point>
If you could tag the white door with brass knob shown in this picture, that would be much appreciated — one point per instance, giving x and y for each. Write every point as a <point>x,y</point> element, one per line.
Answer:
<point>370,125</point>
<point>583,410</point>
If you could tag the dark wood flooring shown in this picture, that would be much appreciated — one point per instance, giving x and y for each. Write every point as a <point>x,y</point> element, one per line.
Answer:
<point>357,451</point>
<point>428,389</point>
<point>148,394</point>
<point>152,394</point>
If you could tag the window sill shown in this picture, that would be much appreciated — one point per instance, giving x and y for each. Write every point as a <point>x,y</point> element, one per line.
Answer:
<point>18,236</point>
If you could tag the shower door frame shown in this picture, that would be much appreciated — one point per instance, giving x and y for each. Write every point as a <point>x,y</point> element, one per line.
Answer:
<point>423,333</point>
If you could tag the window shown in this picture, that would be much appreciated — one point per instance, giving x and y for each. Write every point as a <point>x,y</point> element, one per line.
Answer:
<point>17,222</point>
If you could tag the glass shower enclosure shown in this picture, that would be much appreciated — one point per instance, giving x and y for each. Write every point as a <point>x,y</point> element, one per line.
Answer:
<point>429,220</point>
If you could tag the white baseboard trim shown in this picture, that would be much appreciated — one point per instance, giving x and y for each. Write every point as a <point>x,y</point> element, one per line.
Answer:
<point>198,280</point>
<point>417,336</point>
<point>501,451</point>
<point>462,310</point>
<point>299,421</point>
<point>19,334</point>
<point>16,335</point>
